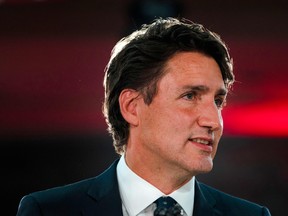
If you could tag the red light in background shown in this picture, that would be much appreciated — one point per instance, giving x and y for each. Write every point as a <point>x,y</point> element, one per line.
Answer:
<point>262,119</point>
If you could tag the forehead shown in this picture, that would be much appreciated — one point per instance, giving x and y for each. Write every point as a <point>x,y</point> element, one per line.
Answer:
<point>192,69</point>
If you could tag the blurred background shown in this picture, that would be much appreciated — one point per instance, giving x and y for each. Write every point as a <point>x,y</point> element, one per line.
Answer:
<point>52,59</point>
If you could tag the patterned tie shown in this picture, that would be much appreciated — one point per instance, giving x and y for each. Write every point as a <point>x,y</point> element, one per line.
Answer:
<point>167,206</point>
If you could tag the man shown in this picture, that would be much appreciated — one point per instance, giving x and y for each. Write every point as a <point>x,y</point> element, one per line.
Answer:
<point>165,87</point>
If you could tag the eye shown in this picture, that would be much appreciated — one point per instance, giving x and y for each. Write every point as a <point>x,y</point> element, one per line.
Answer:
<point>189,95</point>
<point>220,102</point>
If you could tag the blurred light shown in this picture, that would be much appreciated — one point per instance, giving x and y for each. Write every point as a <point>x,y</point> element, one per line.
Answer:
<point>263,119</point>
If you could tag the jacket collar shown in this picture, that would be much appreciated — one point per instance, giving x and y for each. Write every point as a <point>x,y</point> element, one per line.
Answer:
<point>204,202</point>
<point>105,192</point>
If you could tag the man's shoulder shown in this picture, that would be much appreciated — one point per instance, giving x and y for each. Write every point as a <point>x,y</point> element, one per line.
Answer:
<point>71,188</point>
<point>70,198</point>
<point>229,203</point>
<point>76,189</point>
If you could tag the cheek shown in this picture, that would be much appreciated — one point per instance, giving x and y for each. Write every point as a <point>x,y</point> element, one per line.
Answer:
<point>175,120</point>
<point>163,126</point>
<point>221,119</point>
<point>221,127</point>
<point>166,121</point>
<point>218,135</point>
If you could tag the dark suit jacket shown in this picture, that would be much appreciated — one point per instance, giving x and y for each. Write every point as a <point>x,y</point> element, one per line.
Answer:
<point>100,196</point>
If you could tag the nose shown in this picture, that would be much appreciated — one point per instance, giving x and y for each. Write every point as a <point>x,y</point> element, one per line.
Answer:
<point>210,117</point>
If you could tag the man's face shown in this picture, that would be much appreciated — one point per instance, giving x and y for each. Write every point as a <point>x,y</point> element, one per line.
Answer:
<point>180,130</point>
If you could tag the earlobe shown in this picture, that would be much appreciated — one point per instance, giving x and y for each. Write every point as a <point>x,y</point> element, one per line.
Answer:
<point>128,105</point>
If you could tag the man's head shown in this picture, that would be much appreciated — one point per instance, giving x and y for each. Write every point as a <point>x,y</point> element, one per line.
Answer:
<point>138,63</point>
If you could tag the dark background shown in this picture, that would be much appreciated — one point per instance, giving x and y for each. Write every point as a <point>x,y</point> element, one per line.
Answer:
<point>52,57</point>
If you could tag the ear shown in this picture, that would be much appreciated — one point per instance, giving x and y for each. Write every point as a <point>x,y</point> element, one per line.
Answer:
<point>128,103</point>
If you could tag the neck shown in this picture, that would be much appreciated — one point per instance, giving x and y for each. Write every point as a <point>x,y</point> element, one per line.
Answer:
<point>167,179</point>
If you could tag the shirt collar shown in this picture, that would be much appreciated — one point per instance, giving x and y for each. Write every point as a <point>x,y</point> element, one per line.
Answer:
<point>137,194</point>
<point>185,196</point>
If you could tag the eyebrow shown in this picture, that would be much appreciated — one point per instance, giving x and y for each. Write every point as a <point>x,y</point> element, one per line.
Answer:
<point>203,89</point>
<point>222,91</point>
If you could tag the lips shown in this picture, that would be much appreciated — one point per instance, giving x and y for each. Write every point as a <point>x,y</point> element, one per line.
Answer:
<point>204,144</point>
<point>201,141</point>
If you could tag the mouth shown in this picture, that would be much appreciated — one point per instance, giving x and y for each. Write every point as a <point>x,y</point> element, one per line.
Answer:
<point>204,144</point>
<point>202,141</point>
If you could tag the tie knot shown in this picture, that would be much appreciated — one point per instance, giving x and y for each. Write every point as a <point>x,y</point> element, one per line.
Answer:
<point>166,206</point>
<point>165,202</point>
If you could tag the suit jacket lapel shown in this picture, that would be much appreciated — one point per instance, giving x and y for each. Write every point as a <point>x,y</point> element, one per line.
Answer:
<point>204,203</point>
<point>106,200</point>
<point>105,194</point>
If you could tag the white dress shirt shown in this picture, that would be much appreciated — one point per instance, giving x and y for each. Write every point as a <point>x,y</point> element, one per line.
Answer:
<point>138,195</point>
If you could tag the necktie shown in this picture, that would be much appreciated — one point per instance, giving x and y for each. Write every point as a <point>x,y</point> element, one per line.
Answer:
<point>167,206</point>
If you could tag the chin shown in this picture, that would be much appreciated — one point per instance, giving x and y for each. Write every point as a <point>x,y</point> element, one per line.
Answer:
<point>203,167</point>
<point>207,170</point>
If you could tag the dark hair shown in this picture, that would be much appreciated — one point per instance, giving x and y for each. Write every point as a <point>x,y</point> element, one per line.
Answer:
<point>137,62</point>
